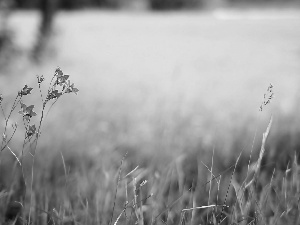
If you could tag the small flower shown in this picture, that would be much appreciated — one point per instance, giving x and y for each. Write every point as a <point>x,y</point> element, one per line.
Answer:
<point>40,79</point>
<point>31,130</point>
<point>53,94</point>
<point>25,91</point>
<point>27,111</point>
<point>62,79</point>
<point>70,88</point>
<point>58,72</point>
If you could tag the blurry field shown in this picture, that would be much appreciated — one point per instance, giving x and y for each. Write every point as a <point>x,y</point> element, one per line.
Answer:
<point>164,82</point>
<point>186,74</point>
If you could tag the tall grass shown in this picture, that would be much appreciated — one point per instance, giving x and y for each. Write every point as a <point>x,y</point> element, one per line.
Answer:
<point>120,187</point>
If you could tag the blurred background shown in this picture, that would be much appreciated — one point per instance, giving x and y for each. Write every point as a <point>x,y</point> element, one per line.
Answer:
<point>156,74</point>
<point>157,77</point>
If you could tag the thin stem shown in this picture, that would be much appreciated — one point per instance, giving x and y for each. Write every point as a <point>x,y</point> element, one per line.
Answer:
<point>3,111</point>
<point>41,92</point>
<point>16,101</point>
<point>119,178</point>
<point>6,145</point>
<point>33,159</point>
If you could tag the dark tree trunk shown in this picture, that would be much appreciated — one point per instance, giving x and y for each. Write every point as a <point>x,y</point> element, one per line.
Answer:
<point>48,10</point>
<point>7,47</point>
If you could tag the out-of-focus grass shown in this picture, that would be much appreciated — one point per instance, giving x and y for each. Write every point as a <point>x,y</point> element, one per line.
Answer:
<point>155,85</point>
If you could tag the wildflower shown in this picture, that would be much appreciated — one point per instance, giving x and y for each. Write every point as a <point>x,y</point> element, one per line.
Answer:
<point>62,79</point>
<point>70,88</point>
<point>27,111</point>
<point>25,91</point>
<point>31,130</point>
<point>58,72</point>
<point>40,78</point>
<point>53,94</point>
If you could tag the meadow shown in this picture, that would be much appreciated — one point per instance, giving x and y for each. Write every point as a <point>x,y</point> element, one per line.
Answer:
<point>151,87</point>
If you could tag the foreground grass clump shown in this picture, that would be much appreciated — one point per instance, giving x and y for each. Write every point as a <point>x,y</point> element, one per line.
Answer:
<point>121,187</point>
<point>15,208</point>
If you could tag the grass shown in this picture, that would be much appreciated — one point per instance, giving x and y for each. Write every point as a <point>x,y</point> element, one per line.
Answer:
<point>154,118</point>
<point>111,189</point>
